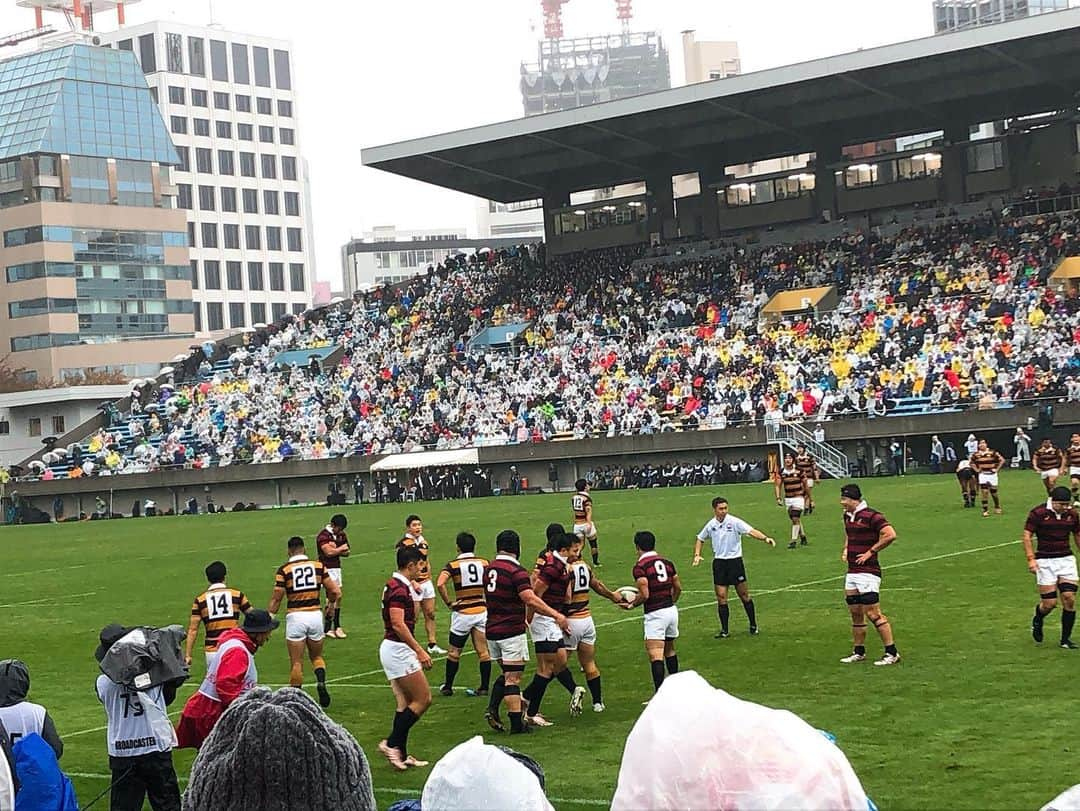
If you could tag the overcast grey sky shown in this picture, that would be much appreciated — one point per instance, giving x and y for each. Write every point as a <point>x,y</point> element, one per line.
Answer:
<point>370,72</point>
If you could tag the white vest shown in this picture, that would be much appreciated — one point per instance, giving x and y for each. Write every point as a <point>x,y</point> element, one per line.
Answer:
<point>23,718</point>
<point>209,686</point>
<point>138,721</point>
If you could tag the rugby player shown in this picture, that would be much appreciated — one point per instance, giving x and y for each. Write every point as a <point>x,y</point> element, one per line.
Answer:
<point>658,591</point>
<point>791,492</point>
<point>299,581</point>
<point>725,532</point>
<point>1072,455</point>
<point>582,636</point>
<point>1052,561</point>
<point>423,589</point>
<point>468,612</point>
<point>987,462</point>
<point>1050,462</point>
<point>866,533</point>
<point>552,532</point>
<point>551,584</point>
<point>584,526</point>
<point>808,466</point>
<point>403,659</point>
<point>965,474</point>
<point>218,608</point>
<point>333,545</point>
<point>508,591</point>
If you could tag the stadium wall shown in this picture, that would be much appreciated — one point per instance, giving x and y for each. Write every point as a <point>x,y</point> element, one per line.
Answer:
<point>307,482</point>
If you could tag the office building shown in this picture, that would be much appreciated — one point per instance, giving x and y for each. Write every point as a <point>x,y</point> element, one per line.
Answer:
<point>956,15</point>
<point>523,220</point>
<point>231,106</point>
<point>94,254</point>
<point>706,61</point>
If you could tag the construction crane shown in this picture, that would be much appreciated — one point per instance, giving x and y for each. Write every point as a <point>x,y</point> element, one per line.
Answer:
<point>553,27</point>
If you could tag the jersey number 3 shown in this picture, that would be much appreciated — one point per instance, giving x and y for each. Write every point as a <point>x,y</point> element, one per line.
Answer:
<point>493,579</point>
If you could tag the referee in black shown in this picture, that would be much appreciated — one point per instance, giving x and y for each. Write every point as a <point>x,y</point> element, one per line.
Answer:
<point>725,532</point>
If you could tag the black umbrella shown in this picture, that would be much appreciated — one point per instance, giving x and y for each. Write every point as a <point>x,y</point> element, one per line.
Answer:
<point>49,442</point>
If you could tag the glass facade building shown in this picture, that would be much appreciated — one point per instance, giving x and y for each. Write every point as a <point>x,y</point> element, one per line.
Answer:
<point>957,15</point>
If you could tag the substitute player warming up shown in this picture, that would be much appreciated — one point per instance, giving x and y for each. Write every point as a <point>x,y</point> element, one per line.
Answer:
<point>658,590</point>
<point>987,463</point>
<point>867,532</point>
<point>403,660</point>
<point>791,492</point>
<point>725,533</point>
<point>1052,561</point>
<point>468,612</point>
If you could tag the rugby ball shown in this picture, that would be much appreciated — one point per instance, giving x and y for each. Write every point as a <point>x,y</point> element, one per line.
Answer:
<point>628,593</point>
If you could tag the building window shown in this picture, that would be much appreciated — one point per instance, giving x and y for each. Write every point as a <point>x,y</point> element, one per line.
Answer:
<point>201,126</point>
<point>228,198</point>
<point>191,235</point>
<point>288,136</point>
<point>269,166</point>
<point>177,95</point>
<point>196,56</point>
<point>214,320</point>
<point>986,157</point>
<point>230,237</point>
<point>241,75</point>
<point>223,129</point>
<point>221,101</point>
<point>89,179</point>
<point>34,426</point>
<point>147,57</point>
<point>58,425</point>
<point>277,277</point>
<point>206,203</point>
<point>178,124</point>
<point>258,316</point>
<point>225,162</point>
<point>295,242</point>
<point>194,274</point>
<point>284,108</point>
<point>261,58</point>
<point>273,238</point>
<point>266,135</point>
<point>134,183</point>
<point>270,201</point>
<point>247,164</point>
<point>197,309</point>
<point>252,237</point>
<point>5,427</point>
<point>255,280</point>
<point>264,106</point>
<point>209,235</point>
<point>292,204</point>
<point>245,132</point>
<point>236,314</point>
<point>278,311</point>
<point>234,276</point>
<point>198,97</point>
<point>185,158</point>
<point>298,308</point>
<point>219,62</point>
<point>251,201</point>
<point>243,103</point>
<point>203,161</point>
<point>174,53</point>
<point>212,274</point>
<point>282,75</point>
<point>288,167</point>
<point>183,196</point>
<point>296,278</point>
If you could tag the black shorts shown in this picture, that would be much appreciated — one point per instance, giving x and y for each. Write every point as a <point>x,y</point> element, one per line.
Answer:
<point>728,572</point>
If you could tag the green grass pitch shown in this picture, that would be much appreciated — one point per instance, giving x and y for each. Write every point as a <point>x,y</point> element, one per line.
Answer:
<point>976,716</point>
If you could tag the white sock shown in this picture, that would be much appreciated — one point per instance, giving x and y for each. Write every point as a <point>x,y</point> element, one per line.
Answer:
<point>795,532</point>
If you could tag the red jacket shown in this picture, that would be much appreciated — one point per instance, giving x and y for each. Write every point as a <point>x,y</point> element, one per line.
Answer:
<point>201,712</point>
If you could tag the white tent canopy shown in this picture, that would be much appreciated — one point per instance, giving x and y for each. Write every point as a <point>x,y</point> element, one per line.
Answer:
<point>418,459</point>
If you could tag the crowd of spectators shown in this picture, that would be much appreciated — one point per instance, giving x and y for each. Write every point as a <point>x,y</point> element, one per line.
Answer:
<point>959,313</point>
<point>676,474</point>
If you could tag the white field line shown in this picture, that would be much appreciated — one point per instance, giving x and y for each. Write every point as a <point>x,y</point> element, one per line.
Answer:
<point>172,554</point>
<point>49,599</point>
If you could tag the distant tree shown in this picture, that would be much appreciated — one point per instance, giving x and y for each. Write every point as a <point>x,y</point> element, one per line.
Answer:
<point>19,378</point>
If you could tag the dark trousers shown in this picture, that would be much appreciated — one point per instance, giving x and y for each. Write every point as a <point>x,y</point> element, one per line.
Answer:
<point>149,776</point>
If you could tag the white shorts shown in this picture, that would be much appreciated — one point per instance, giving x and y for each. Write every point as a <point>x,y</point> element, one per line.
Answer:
<point>335,575</point>
<point>663,623</point>
<point>463,624</point>
<point>988,479</point>
<point>397,659</point>
<point>797,503</point>
<point>586,530</point>
<point>1051,473</point>
<point>581,630</point>
<point>862,582</point>
<point>1051,570</point>
<point>426,592</point>
<point>301,625</point>
<point>544,629</point>
<point>1074,471</point>
<point>511,649</point>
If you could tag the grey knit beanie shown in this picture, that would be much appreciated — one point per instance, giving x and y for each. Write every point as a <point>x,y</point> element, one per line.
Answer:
<point>279,752</point>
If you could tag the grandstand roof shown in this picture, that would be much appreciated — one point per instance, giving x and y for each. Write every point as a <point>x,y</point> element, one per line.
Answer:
<point>983,74</point>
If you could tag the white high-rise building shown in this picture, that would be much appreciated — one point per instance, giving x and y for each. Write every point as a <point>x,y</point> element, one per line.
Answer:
<point>230,102</point>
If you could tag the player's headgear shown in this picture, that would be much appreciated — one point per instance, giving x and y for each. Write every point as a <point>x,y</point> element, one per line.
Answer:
<point>295,542</point>
<point>339,521</point>
<point>215,572</point>
<point>508,541</point>
<point>407,555</point>
<point>851,491</point>
<point>466,542</point>
<point>1060,494</point>
<point>564,541</point>
<point>645,540</point>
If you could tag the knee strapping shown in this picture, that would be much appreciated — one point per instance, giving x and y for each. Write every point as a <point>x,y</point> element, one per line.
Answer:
<point>870,598</point>
<point>1048,595</point>
<point>1067,587</point>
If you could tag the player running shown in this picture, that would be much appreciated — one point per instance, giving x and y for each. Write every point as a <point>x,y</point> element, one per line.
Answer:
<point>218,608</point>
<point>725,532</point>
<point>1050,462</point>
<point>333,545</point>
<point>658,591</point>
<point>1052,562</point>
<point>791,492</point>
<point>299,582</point>
<point>468,612</point>
<point>1072,456</point>
<point>582,636</point>
<point>966,476</point>
<point>987,462</point>
<point>402,658</point>
<point>808,466</point>
<point>508,591</point>
<point>866,532</point>
<point>584,526</point>
<point>551,583</point>
<point>423,589</point>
